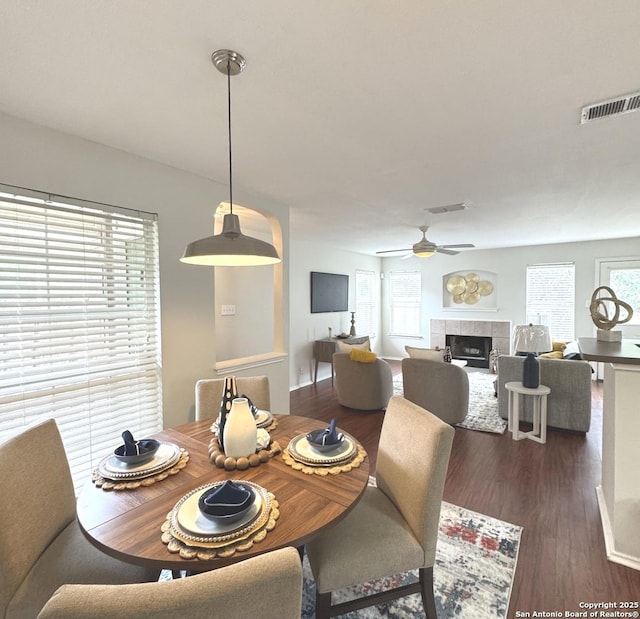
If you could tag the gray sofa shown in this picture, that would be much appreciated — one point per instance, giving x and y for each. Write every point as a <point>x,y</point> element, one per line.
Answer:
<point>568,404</point>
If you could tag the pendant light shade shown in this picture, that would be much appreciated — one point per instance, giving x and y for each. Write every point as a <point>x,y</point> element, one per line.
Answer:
<point>230,247</point>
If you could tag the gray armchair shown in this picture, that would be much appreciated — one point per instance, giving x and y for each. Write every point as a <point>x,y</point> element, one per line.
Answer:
<point>363,386</point>
<point>442,388</point>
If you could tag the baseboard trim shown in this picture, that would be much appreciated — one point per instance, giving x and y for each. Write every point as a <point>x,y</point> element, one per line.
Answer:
<point>609,541</point>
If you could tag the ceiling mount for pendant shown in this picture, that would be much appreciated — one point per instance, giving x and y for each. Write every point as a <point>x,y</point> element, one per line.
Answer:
<point>228,61</point>
<point>230,247</point>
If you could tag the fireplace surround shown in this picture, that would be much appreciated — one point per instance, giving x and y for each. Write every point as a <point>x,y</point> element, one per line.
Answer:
<point>494,335</point>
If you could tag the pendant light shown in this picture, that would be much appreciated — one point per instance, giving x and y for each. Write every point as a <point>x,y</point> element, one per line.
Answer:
<point>230,247</point>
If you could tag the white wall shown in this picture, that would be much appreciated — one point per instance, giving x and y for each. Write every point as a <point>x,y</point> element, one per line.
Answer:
<point>40,159</point>
<point>510,265</point>
<point>307,327</point>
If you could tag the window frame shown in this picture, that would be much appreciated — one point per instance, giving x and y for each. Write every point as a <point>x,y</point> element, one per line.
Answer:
<point>80,316</point>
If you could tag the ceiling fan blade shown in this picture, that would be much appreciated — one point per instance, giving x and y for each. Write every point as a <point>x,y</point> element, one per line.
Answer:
<point>392,251</point>
<point>458,245</point>
<point>449,252</point>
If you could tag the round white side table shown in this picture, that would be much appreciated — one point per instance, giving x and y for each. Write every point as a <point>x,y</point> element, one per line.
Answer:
<point>539,395</point>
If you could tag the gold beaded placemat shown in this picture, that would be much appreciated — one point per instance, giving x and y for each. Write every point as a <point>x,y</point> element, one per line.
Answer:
<point>308,469</point>
<point>134,483</point>
<point>206,551</point>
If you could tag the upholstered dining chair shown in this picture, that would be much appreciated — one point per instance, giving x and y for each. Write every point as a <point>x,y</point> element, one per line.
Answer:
<point>267,586</point>
<point>442,388</point>
<point>209,394</point>
<point>394,527</point>
<point>41,544</point>
<point>363,386</point>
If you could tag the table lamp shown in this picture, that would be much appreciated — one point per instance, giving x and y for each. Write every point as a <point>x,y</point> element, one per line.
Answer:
<point>532,339</point>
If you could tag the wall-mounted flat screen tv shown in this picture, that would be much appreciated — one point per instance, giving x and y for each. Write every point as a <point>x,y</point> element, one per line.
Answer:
<point>329,292</point>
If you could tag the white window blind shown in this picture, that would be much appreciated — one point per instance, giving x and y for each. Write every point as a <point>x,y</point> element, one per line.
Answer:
<point>79,323</point>
<point>405,295</point>
<point>365,302</point>
<point>551,298</point>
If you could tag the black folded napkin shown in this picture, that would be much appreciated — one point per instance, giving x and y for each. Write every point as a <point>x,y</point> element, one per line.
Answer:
<point>327,437</point>
<point>136,448</point>
<point>226,499</point>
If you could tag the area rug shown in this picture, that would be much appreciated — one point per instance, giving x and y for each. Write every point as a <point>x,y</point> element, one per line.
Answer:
<point>483,405</point>
<point>476,560</point>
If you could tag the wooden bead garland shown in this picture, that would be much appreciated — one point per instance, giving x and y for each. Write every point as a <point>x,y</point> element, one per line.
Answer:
<point>222,461</point>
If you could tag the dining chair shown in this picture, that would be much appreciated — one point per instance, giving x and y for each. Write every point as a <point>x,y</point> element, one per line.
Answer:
<point>267,586</point>
<point>442,388</point>
<point>394,527</point>
<point>41,544</point>
<point>209,394</point>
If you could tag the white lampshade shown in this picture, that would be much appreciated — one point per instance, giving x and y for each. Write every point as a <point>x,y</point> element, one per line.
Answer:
<point>531,338</point>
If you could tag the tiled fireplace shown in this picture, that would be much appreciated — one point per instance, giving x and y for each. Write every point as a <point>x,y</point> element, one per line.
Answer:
<point>472,340</point>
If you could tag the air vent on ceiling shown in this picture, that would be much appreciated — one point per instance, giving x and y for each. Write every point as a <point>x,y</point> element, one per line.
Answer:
<point>450,208</point>
<point>613,107</point>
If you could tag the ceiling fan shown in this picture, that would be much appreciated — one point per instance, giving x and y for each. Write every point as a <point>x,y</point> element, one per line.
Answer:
<point>425,248</point>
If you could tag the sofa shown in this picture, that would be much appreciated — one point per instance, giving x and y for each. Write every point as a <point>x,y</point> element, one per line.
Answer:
<point>568,404</point>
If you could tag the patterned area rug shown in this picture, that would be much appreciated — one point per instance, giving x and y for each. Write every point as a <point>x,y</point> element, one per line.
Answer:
<point>483,405</point>
<point>476,560</point>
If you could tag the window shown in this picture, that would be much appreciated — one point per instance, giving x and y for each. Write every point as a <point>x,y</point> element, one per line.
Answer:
<point>365,305</point>
<point>551,298</point>
<point>405,292</point>
<point>80,322</point>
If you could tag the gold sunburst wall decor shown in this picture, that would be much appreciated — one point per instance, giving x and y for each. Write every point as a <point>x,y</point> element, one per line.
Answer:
<point>469,288</point>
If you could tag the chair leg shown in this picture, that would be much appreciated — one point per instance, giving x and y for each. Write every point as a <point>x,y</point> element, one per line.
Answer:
<point>323,605</point>
<point>428,599</point>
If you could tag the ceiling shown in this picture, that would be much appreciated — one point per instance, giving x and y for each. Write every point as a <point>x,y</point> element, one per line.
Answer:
<point>357,114</point>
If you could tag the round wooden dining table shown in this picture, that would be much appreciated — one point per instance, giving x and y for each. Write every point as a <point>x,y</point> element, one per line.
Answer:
<point>126,523</point>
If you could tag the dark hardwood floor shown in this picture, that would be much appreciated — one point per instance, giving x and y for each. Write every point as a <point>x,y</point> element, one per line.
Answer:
<point>547,489</point>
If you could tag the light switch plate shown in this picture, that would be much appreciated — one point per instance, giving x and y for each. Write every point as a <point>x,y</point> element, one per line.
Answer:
<point>228,310</point>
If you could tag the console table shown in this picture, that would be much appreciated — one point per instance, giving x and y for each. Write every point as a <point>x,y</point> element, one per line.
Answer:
<point>323,349</point>
<point>619,492</point>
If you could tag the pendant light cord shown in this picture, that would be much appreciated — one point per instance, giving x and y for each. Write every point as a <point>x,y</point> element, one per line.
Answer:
<point>229,127</point>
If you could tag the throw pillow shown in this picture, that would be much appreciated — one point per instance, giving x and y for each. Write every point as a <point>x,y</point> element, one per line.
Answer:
<point>433,354</point>
<point>344,347</point>
<point>556,354</point>
<point>558,346</point>
<point>363,356</point>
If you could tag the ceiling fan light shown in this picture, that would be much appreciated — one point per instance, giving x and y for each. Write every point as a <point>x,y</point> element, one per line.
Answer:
<point>423,253</point>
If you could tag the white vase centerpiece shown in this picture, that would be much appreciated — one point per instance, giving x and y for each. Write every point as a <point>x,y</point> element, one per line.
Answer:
<point>240,431</point>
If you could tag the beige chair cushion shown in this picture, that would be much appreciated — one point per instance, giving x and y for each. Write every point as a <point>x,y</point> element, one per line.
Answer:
<point>394,527</point>
<point>209,394</point>
<point>433,354</point>
<point>344,347</point>
<point>266,586</point>
<point>374,522</point>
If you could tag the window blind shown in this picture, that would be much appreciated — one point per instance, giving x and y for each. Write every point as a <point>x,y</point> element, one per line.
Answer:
<point>551,298</point>
<point>405,297</point>
<point>79,323</point>
<point>365,304</point>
